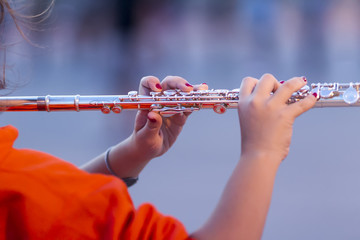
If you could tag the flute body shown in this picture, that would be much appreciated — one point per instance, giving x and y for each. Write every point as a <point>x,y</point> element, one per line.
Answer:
<point>165,105</point>
<point>170,102</point>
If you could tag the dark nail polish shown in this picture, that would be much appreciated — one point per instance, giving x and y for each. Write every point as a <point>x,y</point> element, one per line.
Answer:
<point>315,94</point>
<point>158,86</point>
<point>188,85</point>
<point>304,78</point>
<point>282,82</point>
<point>152,120</point>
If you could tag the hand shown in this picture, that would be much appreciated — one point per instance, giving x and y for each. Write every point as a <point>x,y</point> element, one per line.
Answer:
<point>266,120</point>
<point>266,126</point>
<point>154,135</point>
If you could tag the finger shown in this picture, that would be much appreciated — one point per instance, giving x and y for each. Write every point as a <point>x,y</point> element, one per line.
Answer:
<point>152,126</point>
<point>202,86</point>
<point>302,106</point>
<point>266,85</point>
<point>175,82</point>
<point>149,84</point>
<point>179,119</point>
<point>288,88</point>
<point>247,86</point>
<point>140,119</point>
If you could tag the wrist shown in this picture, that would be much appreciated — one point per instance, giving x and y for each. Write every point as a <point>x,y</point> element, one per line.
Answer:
<point>129,181</point>
<point>145,149</point>
<point>265,157</point>
<point>129,150</point>
<point>275,152</point>
<point>126,160</point>
<point>137,149</point>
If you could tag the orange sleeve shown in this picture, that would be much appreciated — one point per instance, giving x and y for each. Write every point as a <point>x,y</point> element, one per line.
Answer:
<point>42,197</point>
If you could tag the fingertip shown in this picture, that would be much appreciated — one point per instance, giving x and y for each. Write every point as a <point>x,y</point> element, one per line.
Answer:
<point>202,86</point>
<point>149,83</point>
<point>298,82</point>
<point>308,102</point>
<point>314,97</point>
<point>176,82</point>
<point>285,89</point>
<point>146,79</point>
<point>155,86</point>
<point>154,120</point>
<point>154,117</point>
<point>302,80</point>
<point>293,84</point>
<point>247,86</point>
<point>189,85</point>
<point>267,76</point>
<point>186,87</point>
<point>158,87</point>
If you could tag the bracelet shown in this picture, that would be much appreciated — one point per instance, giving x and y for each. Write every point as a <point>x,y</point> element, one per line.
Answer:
<point>129,181</point>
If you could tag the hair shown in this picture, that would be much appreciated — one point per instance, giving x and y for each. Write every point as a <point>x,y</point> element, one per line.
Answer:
<point>20,21</point>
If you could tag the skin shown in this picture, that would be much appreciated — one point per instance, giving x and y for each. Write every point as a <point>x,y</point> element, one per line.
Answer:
<point>152,134</point>
<point>266,122</point>
<point>266,128</point>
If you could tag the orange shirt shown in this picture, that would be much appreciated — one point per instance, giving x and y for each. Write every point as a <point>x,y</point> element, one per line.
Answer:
<point>43,197</point>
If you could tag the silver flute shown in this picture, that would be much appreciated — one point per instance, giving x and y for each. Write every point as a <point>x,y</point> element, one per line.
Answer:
<point>170,102</point>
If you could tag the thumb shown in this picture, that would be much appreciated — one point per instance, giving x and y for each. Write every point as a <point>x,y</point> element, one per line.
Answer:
<point>152,126</point>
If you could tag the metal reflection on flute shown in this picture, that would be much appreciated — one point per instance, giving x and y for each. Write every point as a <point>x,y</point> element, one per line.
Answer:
<point>170,102</point>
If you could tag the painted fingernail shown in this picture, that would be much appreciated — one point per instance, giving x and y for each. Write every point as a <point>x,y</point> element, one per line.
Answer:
<point>304,78</point>
<point>188,85</point>
<point>152,120</point>
<point>281,82</point>
<point>315,94</point>
<point>204,83</point>
<point>158,86</point>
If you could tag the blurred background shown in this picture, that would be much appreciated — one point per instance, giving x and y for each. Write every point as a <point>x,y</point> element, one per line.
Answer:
<point>105,47</point>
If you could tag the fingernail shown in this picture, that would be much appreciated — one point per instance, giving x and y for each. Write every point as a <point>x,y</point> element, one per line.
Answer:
<point>204,83</point>
<point>315,94</point>
<point>282,82</point>
<point>304,78</point>
<point>152,120</point>
<point>188,85</point>
<point>158,86</point>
